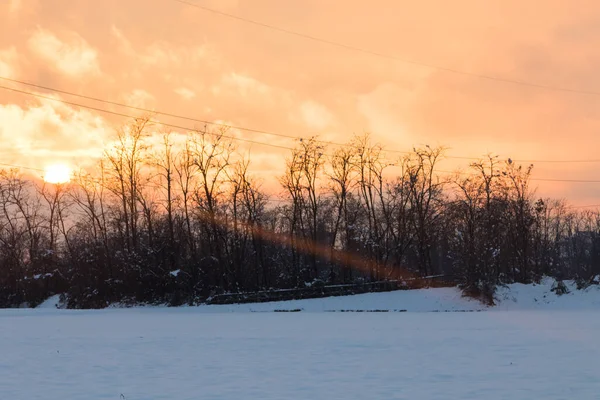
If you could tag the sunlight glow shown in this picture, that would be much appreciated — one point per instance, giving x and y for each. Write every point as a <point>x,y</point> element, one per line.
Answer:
<point>57,173</point>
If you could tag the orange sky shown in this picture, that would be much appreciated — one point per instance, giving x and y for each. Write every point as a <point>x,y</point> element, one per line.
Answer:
<point>170,57</point>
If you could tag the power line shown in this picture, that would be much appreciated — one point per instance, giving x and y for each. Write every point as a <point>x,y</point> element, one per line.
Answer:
<point>531,178</point>
<point>174,115</point>
<point>557,161</point>
<point>20,167</point>
<point>241,128</point>
<point>567,180</point>
<point>167,114</point>
<point>133,117</point>
<point>586,206</point>
<point>388,56</point>
<point>279,200</point>
<point>440,171</point>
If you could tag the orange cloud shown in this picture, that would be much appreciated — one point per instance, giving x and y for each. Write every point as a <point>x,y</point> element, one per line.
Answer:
<point>8,62</point>
<point>139,98</point>
<point>72,56</point>
<point>195,63</point>
<point>46,132</point>
<point>315,115</point>
<point>14,5</point>
<point>186,93</point>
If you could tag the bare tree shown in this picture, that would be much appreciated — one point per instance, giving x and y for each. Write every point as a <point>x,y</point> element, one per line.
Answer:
<point>426,196</point>
<point>343,181</point>
<point>186,172</point>
<point>212,155</point>
<point>126,158</point>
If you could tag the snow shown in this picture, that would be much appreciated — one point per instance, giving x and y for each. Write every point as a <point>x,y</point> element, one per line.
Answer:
<point>51,302</point>
<point>510,297</point>
<point>160,353</point>
<point>422,300</point>
<point>541,297</point>
<point>527,347</point>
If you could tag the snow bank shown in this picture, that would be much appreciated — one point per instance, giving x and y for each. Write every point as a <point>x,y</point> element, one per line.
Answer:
<point>510,297</point>
<point>540,296</point>
<point>422,300</point>
<point>51,302</point>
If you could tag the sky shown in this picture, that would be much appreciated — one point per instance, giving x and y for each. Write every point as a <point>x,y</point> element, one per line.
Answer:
<point>171,57</point>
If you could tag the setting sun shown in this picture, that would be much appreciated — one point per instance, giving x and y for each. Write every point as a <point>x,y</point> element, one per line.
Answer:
<point>57,173</point>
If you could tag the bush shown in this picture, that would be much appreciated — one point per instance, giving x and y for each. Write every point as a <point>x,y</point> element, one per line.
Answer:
<point>560,288</point>
<point>481,291</point>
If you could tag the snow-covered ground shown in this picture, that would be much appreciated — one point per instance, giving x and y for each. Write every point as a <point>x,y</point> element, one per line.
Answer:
<point>541,297</point>
<point>159,353</point>
<point>510,297</point>
<point>536,350</point>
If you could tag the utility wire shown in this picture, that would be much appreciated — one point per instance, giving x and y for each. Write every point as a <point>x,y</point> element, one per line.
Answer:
<point>277,200</point>
<point>439,171</point>
<point>388,56</point>
<point>586,206</point>
<point>241,128</point>
<point>146,109</point>
<point>567,180</point>
<point>230,137</point>
<point>133,117</point>
<point>531,178</point>
<point>20,167</point>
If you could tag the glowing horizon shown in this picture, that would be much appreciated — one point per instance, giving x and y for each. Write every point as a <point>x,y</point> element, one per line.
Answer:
<point>279,83</point>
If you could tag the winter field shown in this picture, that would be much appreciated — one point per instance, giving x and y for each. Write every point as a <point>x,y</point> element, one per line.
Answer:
<point>528,347</point>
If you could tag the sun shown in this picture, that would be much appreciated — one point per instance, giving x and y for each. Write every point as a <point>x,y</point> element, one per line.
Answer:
<point>57,173</point>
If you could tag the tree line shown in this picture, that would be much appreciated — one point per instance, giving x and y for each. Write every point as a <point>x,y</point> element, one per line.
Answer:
<point>182,220</point>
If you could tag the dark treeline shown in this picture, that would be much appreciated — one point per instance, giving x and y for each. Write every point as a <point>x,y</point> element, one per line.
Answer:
<point>182,220</point>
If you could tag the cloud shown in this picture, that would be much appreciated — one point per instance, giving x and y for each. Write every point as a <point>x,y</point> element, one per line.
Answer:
<point>386,111</point>
<point>14,5</point>
<point>243,85</point>
<point>162,54</point>
<point>185,93</point>
<point>48,132</point>
<point>72,56</point>
<point>125,45</point>
<point>8,62</point>
<point>215,68</point>
<point>139,98</point>
<point>316,116</point>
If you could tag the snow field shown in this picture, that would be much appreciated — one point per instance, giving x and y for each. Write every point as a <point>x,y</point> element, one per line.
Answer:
<point>535,350</point>
<point>151,354</point>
